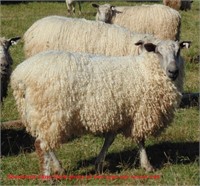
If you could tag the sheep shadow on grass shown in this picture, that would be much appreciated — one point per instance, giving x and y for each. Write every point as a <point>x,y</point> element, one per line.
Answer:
<point>160,155</point>
<point>14,142</point>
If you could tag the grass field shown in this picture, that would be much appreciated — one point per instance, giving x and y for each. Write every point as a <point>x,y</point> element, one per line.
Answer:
<point>175,154</point>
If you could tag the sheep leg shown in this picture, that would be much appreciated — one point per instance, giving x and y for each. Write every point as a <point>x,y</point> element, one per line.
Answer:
<point>109,138</point>
<point>79,5</point>
<point>73,7</point>
<point>144,162</point>
<point>69,8</point>
<point>44,158</point>
<point>57,167</point>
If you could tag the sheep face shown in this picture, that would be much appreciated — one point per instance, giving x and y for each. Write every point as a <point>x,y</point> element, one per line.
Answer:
<point>169,53</point>
<point>5,58</point>
<point>6,62</point>
<point>104,12</point>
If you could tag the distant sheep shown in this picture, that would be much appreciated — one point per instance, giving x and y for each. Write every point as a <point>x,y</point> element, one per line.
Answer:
<point>84,93</point>
<point>158,20</point>
<point>80,35</point>
<point>179,4</point>
<point>71,6</point>
<point>6,63</point>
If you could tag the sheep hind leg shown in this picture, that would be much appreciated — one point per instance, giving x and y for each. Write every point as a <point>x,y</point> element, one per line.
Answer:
<point>144,162</point>
<point>57,167</point>
<point>44,158</point>
<point>79,5</point>
<point>109,138</point>
<point>69,9</point>
<point>73,8</point>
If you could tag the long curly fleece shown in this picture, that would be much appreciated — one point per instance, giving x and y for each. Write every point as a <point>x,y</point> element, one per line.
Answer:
<point>60,94</point>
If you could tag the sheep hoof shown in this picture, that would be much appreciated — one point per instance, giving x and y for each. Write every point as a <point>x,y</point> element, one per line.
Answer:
<point>99,168</point>
<point>60,171</point>
<point>149,169</point>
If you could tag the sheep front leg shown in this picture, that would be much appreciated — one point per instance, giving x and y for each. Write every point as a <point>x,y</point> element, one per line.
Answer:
<point>109,138</point>
<point>57,167</point>
<point>44,158</point>
<point>144,162</point>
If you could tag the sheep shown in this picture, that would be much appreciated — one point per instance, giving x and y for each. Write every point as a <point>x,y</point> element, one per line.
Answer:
<point>71,6</point>
<point>158,20</point>
<point>186,5</point>
<point>6,63</point>
<point>178,4</point>
<point>91,37</point>
<point>81,93</point>
<point>59,33</point>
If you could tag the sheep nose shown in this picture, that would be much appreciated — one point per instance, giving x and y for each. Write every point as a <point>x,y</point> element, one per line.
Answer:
<point>173,74</point>
<point>172,71</point>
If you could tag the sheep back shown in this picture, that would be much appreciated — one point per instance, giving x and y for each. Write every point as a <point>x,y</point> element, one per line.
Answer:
<point>80,35</point>
<point>61,94</point>
<point>161,21</point>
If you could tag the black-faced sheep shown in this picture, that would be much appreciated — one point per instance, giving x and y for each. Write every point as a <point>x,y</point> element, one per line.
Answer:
<point>80,93</point>
<point>179,4</point>
<point>6,63</point>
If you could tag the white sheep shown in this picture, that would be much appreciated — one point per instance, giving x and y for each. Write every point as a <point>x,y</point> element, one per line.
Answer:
<point>71,6</point>
<point>80,35</point>
<point>6,63</point>
<point>80,93</point>
<point>158,20</point>
<point>179,4</point>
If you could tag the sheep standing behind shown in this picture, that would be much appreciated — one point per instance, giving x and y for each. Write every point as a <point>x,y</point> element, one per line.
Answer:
<point>158,20</point>
<point>6,63</point>
<point>58,33</point>
<point>179,4</point>
<point>80,35</point>
<point>71,6</point>
<point>84,93</point>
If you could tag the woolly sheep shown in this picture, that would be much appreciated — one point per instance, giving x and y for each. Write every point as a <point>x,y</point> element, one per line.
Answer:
<point>71,6</point>
<point>178,4</point>
<point>6,63</point>
<point>58,33</point>
<point>159,20</point>
<point>84,93</point>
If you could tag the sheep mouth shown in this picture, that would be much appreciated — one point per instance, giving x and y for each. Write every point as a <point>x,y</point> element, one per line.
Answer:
<point>173,77</point>
<point>4,71</point>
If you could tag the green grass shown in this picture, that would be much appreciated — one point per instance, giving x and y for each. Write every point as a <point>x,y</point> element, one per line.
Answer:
<point>175,153</point>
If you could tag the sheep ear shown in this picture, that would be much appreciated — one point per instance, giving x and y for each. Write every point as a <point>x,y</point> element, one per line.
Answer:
<point>95,5</point>
<point>12,41</point>
<point>115,10</point>
<point>185,44</point>
<point>112,8</point>
<point>150,47</point>
<point>140,42</point>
